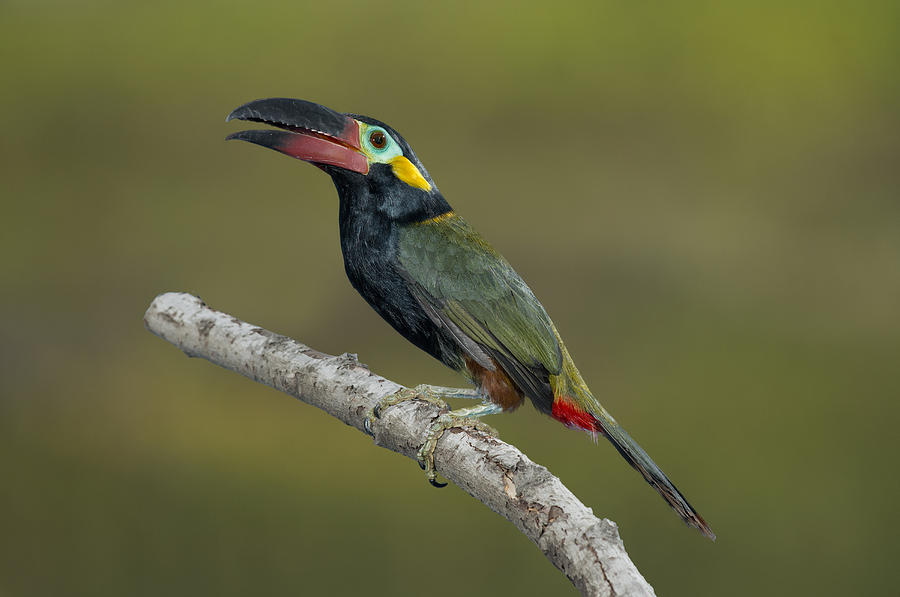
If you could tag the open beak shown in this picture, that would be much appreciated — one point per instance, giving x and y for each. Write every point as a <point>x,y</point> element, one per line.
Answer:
<point>310,132</point>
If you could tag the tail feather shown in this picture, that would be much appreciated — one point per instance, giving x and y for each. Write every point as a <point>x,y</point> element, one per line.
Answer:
<point>575,406</point>
<point>569,413</point>
<point>641,461</point>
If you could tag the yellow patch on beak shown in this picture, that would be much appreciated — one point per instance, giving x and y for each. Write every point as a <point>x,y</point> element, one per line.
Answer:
<point>408,173</point>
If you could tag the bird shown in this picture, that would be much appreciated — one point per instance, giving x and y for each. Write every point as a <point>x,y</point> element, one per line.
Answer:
<point>442,286</point>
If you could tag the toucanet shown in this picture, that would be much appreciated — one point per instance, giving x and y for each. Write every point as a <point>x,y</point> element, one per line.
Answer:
<point>440,284</point>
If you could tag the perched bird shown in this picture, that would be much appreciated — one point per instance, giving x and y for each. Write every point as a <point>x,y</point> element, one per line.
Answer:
<point>440,284</point>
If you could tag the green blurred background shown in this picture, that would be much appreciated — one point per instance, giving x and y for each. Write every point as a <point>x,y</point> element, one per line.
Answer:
<point>704,196</point>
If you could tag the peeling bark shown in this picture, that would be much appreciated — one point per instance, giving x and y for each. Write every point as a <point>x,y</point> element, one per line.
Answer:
<point>587,549</point>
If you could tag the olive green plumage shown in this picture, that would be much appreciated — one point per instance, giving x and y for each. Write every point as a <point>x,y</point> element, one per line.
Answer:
<point>472,287</point>
<point>469,288</point>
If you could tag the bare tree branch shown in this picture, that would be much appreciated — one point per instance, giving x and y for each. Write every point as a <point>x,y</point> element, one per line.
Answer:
<point>587,549</point>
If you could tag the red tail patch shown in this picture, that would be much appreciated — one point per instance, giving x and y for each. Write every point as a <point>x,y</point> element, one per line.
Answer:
<point>571,415</point>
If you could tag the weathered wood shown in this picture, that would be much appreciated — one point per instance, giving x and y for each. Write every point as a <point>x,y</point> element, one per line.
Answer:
<point>587,549</point>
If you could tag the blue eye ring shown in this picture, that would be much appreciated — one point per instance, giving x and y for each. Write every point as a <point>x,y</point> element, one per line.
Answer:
<point>378,139</point>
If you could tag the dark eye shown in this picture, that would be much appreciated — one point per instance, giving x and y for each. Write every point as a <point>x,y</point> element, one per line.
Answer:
<point>378,139</point>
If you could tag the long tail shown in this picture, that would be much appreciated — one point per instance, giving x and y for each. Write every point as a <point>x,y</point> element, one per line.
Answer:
<point>568,412</point>
<point>575,406</point>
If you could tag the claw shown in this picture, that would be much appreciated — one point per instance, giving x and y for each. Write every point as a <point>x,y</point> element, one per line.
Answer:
<point>369,421</point>
<point>462,419</point>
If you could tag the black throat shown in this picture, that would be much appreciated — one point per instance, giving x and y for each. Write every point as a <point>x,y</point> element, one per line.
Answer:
<point>369,226</point>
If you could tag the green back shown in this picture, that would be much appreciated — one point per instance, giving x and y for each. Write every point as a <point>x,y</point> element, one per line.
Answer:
<point>462,279</point>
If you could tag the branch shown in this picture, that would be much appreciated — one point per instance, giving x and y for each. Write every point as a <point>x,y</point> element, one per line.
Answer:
<point>587,549</point>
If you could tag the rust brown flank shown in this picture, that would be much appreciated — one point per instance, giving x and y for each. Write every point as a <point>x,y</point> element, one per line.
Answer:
<point>496,384</point>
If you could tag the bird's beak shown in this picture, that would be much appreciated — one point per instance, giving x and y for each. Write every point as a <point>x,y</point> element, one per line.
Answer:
<point>310,132</point>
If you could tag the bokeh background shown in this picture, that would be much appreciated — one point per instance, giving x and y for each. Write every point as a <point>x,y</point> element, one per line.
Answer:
<point>704,195</point>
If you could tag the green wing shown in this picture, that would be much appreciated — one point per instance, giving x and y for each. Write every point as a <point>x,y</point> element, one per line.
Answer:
<point>469,288</point>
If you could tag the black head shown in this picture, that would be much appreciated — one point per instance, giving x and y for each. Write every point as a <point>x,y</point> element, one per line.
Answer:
<point>372,166</point>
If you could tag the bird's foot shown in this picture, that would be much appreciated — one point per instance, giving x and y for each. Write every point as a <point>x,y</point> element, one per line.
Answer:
<point>432,394</point>
<point>464,418</point>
